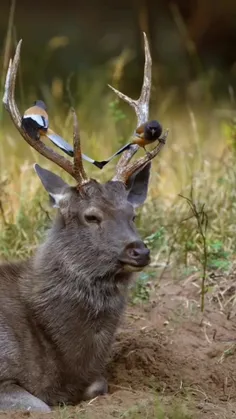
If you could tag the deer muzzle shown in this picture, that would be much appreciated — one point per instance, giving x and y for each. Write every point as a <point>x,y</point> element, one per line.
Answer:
<point>135,256</point>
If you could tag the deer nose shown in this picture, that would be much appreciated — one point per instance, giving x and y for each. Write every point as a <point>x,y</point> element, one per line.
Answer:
<point>136,254</point>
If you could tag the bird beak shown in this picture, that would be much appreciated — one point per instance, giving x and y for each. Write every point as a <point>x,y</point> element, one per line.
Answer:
<point>153,131</point>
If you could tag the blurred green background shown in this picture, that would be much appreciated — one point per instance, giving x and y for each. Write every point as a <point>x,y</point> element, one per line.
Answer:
<point>71,51</point>
<point>188,39</point>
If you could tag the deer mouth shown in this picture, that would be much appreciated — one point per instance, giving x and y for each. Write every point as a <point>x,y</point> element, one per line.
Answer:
<point>128,267</point>
<point>133,265</point>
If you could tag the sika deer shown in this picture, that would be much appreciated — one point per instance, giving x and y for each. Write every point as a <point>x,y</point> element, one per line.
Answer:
<point>60,309</point>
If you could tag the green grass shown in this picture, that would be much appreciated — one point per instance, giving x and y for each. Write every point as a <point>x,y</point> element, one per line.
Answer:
<point>176,410</point>
<point>198,163</point>
<point>147,407</point>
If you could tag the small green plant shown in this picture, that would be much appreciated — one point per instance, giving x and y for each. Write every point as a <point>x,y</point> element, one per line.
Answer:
<point>218,258</point>
<point>142,288</point>
<point>198,212</point>
<point>156,239</point>
<point>116,113</point>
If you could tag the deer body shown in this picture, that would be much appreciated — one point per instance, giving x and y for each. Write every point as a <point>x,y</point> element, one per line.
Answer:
<point>55,339</point>
<point>60,309</point>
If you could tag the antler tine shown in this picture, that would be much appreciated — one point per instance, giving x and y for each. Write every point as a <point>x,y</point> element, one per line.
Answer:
<point>78,163</point>
<point>7,87</point>
<point>141,105</point>
<point>11,106</point>
<point>124,169</point>
<point>124,173</point>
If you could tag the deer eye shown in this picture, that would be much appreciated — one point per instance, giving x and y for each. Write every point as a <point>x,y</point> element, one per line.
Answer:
<point>93,218</point>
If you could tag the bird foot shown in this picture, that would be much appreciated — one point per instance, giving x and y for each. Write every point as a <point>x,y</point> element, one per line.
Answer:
<point>162,140</point>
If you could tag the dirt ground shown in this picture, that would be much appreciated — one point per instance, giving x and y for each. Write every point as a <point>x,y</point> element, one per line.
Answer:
<point>167,350</point>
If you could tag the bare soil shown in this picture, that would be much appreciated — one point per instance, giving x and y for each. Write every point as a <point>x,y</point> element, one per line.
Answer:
<point>167,351</point>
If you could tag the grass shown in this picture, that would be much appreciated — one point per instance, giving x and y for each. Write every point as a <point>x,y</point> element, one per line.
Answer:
<point>147,407</point>
<point>204,167</point>
<point>198,163</point>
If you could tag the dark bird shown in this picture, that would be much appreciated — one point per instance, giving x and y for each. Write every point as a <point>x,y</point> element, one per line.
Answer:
<point>35,122</point>
<point>145,134</point>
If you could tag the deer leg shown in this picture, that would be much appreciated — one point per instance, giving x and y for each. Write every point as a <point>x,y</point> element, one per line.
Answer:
<point>97,388</point>
<point>14,397</point>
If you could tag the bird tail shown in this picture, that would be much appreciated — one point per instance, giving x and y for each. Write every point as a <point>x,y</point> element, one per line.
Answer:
<point>125,147</point>
<point>96,163</point>
<point>103,163</point>
<point>100,164</point>
<point>64,146</point>
<point>60,143</point>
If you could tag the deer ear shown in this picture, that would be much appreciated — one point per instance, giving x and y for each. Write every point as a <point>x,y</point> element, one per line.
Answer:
<point>138,186</point>
<point>53,184</point>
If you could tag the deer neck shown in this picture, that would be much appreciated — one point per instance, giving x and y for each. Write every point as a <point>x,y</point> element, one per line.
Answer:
<point>63,298</point>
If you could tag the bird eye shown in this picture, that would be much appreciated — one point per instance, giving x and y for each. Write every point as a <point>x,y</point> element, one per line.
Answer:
<point>134,218</point>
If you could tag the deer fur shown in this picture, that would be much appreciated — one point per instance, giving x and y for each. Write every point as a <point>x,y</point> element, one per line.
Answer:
<point>60,309</point>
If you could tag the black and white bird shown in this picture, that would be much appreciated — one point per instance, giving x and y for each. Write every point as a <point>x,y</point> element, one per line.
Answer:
<point>36,123</point>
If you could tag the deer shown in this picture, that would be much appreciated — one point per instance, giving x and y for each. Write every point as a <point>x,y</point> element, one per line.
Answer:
<point>60,309</point>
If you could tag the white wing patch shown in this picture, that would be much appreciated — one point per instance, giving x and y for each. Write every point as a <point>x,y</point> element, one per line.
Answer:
<point>41,121</point>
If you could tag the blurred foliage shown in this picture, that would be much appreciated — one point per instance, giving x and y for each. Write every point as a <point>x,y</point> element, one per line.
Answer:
<point>192,42</point>
<point>192,96</point>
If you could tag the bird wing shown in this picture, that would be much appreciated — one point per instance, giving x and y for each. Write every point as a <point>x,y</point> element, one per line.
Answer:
<point>140,130</point>
<point>42,121</point>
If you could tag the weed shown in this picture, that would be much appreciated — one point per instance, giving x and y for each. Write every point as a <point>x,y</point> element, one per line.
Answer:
<point>145,408</point>
<point>194,234</point>
<point>142,287</point>
<point>201,218</point>
<point>218,257</point>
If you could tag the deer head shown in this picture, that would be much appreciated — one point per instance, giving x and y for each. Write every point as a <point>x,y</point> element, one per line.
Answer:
<point>95,219</point>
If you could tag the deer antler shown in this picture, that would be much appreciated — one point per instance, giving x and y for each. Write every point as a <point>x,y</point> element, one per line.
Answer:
<point>76,170</point>
<point>141,108</point>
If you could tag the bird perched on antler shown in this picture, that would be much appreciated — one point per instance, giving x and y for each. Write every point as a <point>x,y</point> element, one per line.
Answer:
<point>36,123</point>
<point>144,135</point>
<point>147,133</point>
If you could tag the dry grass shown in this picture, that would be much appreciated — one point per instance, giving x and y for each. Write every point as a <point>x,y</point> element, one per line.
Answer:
<point>135,406</point>
<point>199,157</point>
<point>202,162</point>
